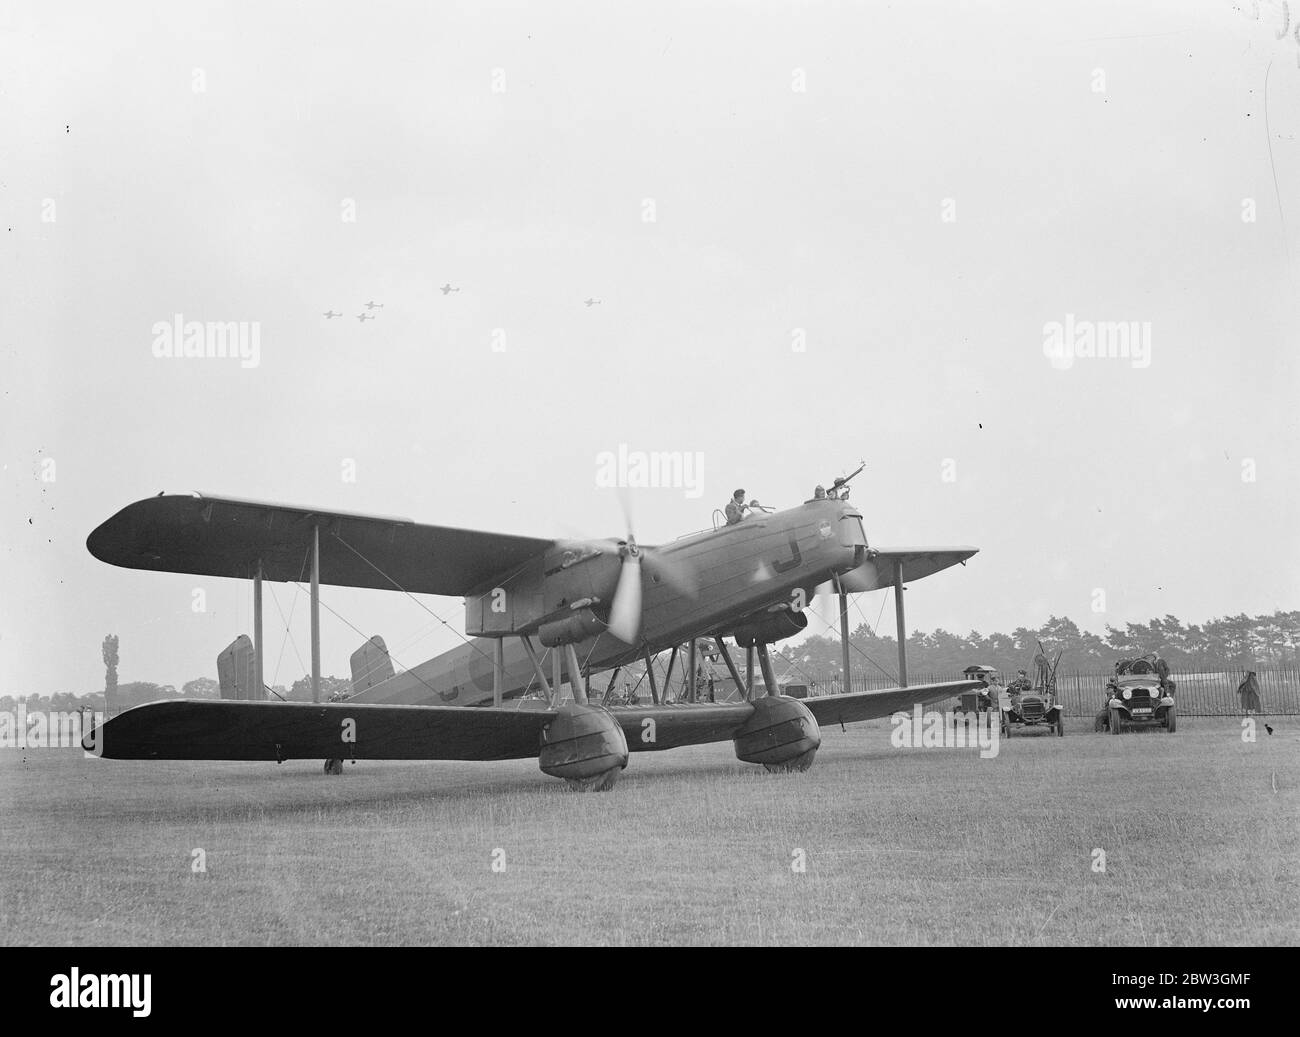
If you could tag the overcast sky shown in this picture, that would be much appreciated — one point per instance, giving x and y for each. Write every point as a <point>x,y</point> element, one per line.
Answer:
<point>912,193</point>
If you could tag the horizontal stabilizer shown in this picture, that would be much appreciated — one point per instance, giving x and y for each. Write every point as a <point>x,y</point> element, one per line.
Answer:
<point>872,705</point>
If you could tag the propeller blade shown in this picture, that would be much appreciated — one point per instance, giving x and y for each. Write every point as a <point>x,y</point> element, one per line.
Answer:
<point>625,506</point>
<point>625,612</point>
<point>579,540</point>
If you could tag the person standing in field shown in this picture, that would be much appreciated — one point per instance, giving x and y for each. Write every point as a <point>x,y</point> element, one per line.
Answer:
<point>1162,671</point>
<point>1248,692</point>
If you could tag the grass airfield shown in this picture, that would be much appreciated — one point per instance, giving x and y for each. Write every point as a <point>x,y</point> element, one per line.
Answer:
<point>900,846</point>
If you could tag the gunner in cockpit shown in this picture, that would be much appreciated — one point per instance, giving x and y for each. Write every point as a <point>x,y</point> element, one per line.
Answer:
<point>736,508</point>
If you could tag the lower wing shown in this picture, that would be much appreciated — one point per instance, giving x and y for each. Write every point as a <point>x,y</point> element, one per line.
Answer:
<point>227,729</point>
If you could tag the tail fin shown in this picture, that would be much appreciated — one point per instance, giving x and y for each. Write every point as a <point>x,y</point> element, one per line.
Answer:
<point>237,670</point>
<point>371,665</point>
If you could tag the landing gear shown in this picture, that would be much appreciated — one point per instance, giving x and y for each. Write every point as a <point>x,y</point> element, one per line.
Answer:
<point>600,783</point>
<point>333,767</point>
<point>585,746</point>
<point>781,734</point>
<point>798,764</point>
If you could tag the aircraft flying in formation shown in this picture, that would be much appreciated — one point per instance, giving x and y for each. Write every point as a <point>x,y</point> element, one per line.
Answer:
<point>330,315</point>
<point>589,303</point>
<point>447,289</point>
<point>374,305</point>
<point>365,316</point>
<point>586,606</point>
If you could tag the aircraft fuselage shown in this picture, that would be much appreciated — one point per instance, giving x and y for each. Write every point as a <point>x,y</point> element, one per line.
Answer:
<point>764,562</point>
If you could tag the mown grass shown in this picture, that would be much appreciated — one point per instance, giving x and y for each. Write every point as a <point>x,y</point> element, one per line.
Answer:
<point>903,846</point>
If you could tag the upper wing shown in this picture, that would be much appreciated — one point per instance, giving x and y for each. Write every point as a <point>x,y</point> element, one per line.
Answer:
<point>216,536</point>
<point>870,705</point>
<point>880,569</point>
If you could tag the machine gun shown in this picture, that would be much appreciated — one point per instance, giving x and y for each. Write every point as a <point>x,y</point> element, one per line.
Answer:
<point>840,485</point>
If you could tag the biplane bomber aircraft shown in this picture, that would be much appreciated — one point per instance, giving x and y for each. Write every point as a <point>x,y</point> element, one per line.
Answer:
<point>595,605</point>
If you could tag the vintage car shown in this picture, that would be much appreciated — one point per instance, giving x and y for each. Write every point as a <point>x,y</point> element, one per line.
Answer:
<point>1030,706</point>
<point>1137,696</point>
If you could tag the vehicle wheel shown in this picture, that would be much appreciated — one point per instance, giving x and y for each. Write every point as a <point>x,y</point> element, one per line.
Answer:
<point>1115,722</point>
<point>1101,722</point>
<point>1060,725</point>
<point>333,767</point>
<point>1171,721</point>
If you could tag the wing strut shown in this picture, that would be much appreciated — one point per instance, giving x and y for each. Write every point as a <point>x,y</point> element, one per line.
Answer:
<point>498,669</point>
<point>691,690</point>
<point>315,612</point>
<point>575,674</point>
<point>765,661</point>
<point>537,666</point>
<point>668,676</point>
<point>844,632</point>
<point>902,624</point>
<point>259,673</point>
<point>650,672</point>
<point>731,667</point>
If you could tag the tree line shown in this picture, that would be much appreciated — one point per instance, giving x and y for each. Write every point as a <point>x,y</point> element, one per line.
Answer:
<point>1232,643</point>
<point>137,693</point>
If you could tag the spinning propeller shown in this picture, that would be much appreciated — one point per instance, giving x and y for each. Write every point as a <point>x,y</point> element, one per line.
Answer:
<point>625,611</point>
<point>627,605</point>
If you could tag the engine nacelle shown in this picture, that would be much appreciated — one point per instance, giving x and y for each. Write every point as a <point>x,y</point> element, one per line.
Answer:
<point>585,746</point>
<point>781,734</point>
<point>775,626</point>
<point>573,628</point>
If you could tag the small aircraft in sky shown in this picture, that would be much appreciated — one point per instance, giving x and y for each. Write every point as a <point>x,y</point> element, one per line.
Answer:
<point>330,315</point>
<point>447,289</point>
<point>374,305</point>
<point>590,606</point>
<point>365,316</point>
<point>589,303</point>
